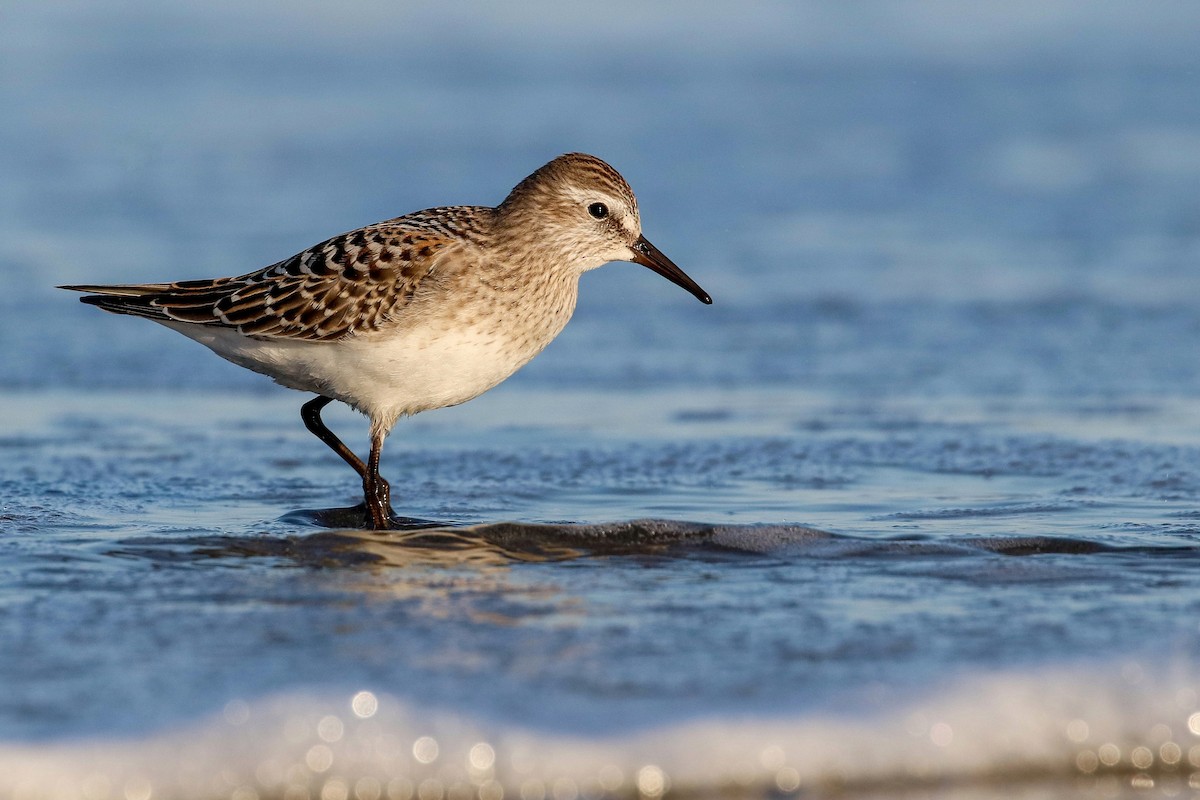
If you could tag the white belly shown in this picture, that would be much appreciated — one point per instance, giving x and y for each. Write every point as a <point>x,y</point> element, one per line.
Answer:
<point>384,375</point>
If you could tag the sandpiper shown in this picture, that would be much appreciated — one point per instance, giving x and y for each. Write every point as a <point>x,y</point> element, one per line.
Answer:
<point>423,311</point>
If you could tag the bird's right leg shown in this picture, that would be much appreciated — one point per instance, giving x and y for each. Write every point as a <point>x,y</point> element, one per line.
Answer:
<point>310,412</point>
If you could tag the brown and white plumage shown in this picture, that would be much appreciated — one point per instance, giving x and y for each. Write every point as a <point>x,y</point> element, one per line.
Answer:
<point>349,284</point>
<point>418,312</point>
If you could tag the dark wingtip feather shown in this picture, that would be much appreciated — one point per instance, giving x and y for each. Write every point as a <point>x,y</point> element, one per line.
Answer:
<point>99,300</point>
<point>136,306</point>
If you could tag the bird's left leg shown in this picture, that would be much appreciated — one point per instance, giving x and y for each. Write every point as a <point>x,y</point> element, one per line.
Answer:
<point>376,492</point>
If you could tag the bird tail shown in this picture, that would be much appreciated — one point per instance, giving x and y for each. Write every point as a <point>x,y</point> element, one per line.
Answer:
<point>130,298</point>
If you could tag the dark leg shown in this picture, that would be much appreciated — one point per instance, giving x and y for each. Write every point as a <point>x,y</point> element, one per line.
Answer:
<point>310,412</point>
<point>376,491</point>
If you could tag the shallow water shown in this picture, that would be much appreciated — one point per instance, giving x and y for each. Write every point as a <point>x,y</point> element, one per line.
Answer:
<point>975,582</point>
<point>912,510</point>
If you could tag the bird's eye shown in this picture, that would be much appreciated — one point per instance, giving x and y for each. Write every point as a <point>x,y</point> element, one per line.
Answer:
<point>598,210</point>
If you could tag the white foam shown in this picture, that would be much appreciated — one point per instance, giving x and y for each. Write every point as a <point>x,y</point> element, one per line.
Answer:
<point>998,728</point>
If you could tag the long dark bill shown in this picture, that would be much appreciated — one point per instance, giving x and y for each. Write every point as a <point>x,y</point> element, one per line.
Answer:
<point>650,256</point>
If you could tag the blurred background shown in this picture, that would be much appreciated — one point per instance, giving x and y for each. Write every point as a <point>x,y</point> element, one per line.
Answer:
<point>825,170</point>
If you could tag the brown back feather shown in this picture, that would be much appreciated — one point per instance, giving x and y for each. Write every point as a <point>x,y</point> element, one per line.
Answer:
<point>350,283</point>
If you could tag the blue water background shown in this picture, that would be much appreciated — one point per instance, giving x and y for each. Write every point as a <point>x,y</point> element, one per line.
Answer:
<point>953,252</point>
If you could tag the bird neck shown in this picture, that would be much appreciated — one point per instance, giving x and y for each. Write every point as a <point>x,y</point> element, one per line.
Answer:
<point>526,239</point>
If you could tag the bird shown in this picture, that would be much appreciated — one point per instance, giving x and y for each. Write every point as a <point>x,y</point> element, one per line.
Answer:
<point>423,311</point>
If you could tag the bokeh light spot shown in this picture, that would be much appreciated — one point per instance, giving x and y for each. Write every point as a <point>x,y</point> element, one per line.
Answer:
<point>318,758</point>
<point>364,704</point>
<point>491,790</point>
<point>425,749</point>
<point>482,756</point>
<point>368,788</point>
<point>651,781</point>
<point>787,779</point>
<point>330,729</point>
<point>335,790</point>
<point>431,789</point>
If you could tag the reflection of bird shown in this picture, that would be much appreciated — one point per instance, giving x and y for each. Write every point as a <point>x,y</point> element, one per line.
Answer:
<point>423,311</point>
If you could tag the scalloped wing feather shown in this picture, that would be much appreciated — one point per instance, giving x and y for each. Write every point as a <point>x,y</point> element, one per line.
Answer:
<point>351,283</point>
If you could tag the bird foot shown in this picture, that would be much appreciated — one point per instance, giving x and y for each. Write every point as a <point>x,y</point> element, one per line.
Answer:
<point>377,496</point>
